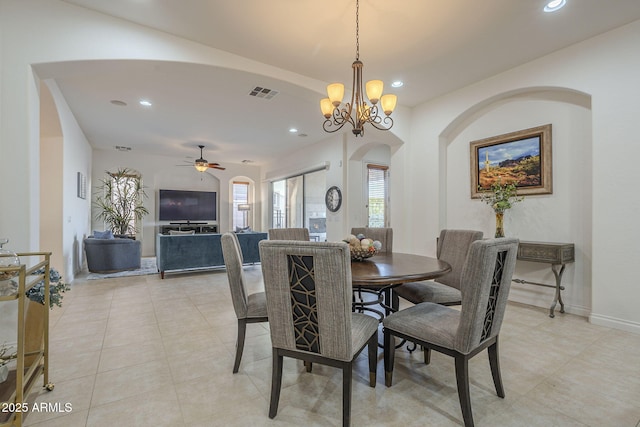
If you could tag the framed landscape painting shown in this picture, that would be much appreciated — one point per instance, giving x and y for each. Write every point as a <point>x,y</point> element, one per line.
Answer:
<point>522,157</point>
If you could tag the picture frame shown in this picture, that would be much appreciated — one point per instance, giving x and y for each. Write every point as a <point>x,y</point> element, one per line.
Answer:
<point>522,157</point>
<point>81,186</point>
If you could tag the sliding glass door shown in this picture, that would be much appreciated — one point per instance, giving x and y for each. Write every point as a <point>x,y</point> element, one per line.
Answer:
<point>298,201</point>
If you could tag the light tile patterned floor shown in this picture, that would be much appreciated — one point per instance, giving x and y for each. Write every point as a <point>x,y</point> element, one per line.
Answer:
<point>141,351</point>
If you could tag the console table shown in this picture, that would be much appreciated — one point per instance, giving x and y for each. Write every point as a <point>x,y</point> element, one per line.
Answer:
<point>189,226</point>
<point>556,254</point>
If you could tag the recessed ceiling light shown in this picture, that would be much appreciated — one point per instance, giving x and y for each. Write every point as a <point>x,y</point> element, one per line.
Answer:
<point>118,102</point>
<point>145,103</point>
<point>554,5</point>
<point>293,130</point>
<point>397,83</point>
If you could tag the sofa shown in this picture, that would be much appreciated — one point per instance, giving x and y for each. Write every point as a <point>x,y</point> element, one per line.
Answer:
<point>112,255</point>
<point>204,250</point>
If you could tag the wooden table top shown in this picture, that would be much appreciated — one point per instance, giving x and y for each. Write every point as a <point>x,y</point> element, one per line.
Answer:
<point>396,268</point>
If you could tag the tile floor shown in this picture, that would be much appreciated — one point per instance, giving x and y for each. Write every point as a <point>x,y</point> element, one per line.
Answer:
<point>141,351</point>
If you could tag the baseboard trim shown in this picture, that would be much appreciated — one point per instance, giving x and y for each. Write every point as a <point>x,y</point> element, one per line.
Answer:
<point>546,303</point>
<point>615,323</point>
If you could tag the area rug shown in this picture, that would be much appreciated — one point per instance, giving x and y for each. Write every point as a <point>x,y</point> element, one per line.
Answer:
<point>147,266</point>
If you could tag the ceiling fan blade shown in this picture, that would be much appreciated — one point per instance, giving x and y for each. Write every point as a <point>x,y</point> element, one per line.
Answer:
<point>214,166</point>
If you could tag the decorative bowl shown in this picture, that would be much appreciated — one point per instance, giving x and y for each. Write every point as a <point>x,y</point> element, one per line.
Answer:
<point>359,254</point>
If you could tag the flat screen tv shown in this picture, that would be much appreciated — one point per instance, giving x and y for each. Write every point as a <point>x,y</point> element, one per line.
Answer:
<point>183,205</point>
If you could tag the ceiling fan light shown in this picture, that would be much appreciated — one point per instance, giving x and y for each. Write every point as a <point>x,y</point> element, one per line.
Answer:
<point>388,103</point>
<point>374,90</point>
<point>326,107</point>
<point>201,166</point>
<point>336,93</point>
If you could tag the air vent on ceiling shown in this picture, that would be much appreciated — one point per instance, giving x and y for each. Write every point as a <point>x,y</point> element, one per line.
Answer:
<point>261,92</point>
<point>122,148</point>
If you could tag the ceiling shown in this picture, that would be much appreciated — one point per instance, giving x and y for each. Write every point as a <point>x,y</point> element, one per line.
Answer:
<point>434,47</point>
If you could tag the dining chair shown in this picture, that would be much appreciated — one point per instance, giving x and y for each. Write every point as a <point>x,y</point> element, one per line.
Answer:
<point>301,234</point>
<point>383,235</point>
<point>308,288</point>
<point>453,246</point>
<point>249,308</point>
<point>485,283</point>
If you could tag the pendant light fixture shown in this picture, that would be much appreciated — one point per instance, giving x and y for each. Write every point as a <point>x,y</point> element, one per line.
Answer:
<point>357,112</point>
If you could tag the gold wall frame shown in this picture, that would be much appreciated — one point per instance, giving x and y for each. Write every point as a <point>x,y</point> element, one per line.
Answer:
<point>522,157</point>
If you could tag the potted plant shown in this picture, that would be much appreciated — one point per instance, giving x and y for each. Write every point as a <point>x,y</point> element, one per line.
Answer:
<point>501,197</point>
<point>120,201</point>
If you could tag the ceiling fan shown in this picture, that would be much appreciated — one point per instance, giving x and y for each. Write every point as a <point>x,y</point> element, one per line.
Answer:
<point>202,164</point>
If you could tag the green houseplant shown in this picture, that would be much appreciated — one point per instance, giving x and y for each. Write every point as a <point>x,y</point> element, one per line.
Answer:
<point>120,201</point>
<point>501,197</point>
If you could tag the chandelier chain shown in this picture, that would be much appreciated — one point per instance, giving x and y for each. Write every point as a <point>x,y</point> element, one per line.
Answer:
<point>357,30</point>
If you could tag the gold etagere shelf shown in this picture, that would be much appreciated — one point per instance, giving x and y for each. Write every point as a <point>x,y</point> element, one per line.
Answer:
<point>15,390</point>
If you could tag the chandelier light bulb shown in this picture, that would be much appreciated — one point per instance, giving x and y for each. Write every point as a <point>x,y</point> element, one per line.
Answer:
<point>336,93</point>
<point>388,103</point>
<point>326,106</point>
<point>374,90</point>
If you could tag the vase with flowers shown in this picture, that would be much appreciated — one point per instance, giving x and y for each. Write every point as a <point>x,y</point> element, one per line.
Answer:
<point>501,196</point>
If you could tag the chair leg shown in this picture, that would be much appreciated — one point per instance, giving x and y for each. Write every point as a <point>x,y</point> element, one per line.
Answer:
<point>346,395</point>
<point>494,362</point>
<point>373,358</point>
<point>389,357</point>
<point>242,329</point>
<point>427,355</point>
<point>276,383</point>
<point>462,380</point>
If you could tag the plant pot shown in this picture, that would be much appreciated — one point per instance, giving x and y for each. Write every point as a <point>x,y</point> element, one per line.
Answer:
<point>33,330</point>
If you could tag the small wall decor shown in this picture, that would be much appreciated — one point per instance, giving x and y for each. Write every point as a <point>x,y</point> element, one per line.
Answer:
<point>82,186</point>
<point>522,158</point>
<point>333,199</point>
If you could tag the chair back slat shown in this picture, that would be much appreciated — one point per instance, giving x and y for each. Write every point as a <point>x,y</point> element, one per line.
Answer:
<point>308,289</point>
<point>485,284</point>
<point>304,306</point>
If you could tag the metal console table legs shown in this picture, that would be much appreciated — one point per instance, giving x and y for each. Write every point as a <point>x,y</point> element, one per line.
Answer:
<point>556,254</point>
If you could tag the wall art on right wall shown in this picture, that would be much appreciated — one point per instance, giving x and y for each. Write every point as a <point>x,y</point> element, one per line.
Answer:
<point>522,157</point>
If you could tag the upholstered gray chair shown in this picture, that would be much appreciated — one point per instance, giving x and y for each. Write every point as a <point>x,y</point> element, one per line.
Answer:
<point>308,287</point>
<point>453,246</point>
<point>383,235</point>
<point>485,283</point>
<point>112,255</point>
<point>301,234</point>
<point>249,308</point>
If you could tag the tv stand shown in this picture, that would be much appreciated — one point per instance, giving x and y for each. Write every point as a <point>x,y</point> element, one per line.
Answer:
<point>188,223</point>
<point>198,227</point>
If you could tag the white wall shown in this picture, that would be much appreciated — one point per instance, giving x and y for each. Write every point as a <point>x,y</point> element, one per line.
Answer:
<point>604,69</point>
<point>75,154</point>
<point>557,217</point>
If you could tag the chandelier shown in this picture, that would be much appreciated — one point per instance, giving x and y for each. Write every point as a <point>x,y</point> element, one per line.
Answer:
<point>357,112</point>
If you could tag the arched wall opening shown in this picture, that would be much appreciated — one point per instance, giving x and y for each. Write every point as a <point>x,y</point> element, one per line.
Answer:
<point>563,216</point>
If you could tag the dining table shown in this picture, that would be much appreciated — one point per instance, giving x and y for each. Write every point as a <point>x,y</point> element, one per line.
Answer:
<point>379,274</point>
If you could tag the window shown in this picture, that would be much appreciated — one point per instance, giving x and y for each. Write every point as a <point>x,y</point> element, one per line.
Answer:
<point>377,195</point>
<point>298,201</point>
<point>240,205</point>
